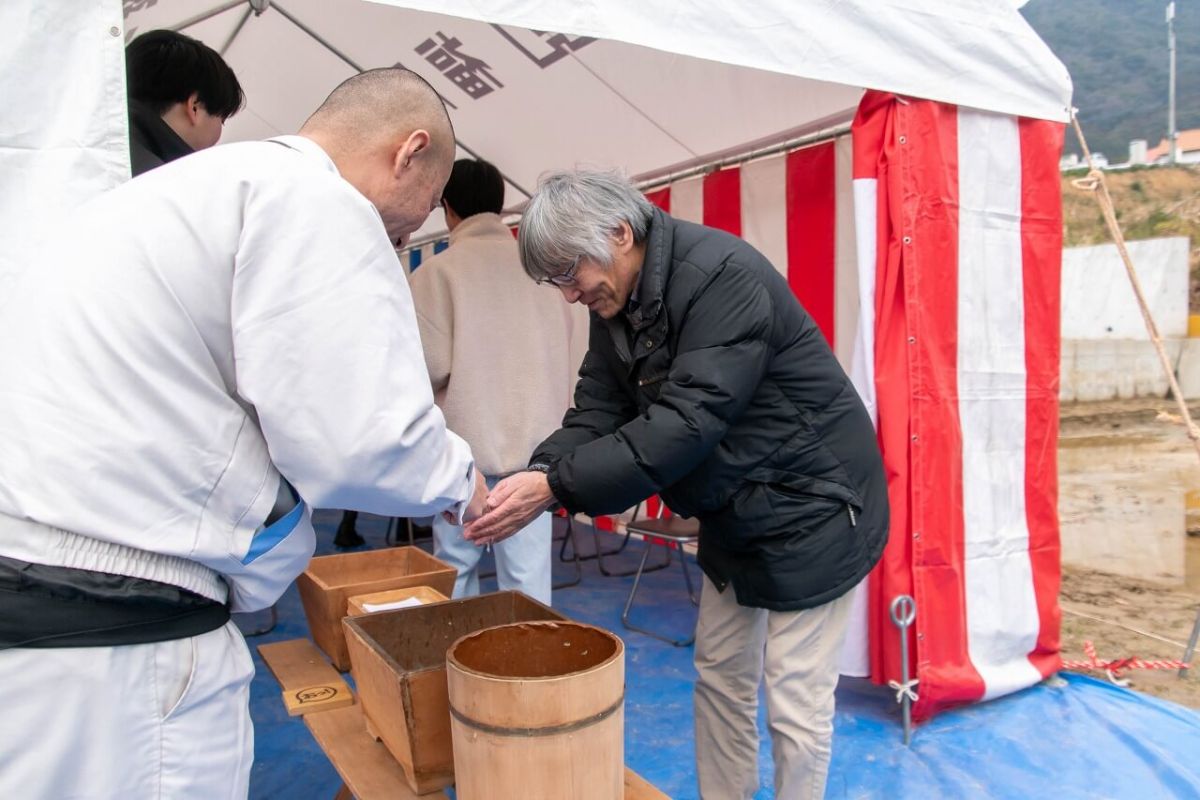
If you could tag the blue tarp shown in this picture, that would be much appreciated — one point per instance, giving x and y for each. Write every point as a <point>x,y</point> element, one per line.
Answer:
<point>1075,738</point>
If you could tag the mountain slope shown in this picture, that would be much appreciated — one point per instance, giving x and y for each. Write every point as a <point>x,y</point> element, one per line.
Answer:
<point>1116,52</point>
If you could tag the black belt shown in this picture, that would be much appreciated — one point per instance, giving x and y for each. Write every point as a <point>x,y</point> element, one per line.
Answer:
<point>45,606</point>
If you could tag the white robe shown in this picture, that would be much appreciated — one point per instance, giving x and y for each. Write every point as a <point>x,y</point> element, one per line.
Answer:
<point>190,336</point>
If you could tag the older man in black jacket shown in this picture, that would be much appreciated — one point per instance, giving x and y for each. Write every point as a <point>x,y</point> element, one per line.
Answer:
<point>706,382</point>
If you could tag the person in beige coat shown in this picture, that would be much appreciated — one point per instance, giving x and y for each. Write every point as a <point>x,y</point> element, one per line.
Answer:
<point>503,354</point>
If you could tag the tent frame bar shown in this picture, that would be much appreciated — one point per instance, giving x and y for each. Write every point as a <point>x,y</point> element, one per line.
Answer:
<point>241,24</point>
<point>824,134</point>
<point>320,40</point>
<point>324,43</point>
<point>656,181</point>
<point>212,12</point>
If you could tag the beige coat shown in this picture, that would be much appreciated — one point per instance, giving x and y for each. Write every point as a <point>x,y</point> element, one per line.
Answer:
<point>503,352</point>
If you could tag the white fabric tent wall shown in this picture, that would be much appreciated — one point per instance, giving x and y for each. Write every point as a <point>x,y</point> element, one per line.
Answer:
<point>63,132</point>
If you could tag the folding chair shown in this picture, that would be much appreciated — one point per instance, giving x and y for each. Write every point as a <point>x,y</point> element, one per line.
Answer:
<point>672,533</point>
<point>603,522</point>
<point>615,524</point>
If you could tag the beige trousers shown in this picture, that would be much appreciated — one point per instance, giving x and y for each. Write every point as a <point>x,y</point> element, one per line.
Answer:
<point>796,652</point>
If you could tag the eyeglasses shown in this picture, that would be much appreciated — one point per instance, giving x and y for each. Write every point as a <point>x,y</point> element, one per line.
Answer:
<point>566,277</point>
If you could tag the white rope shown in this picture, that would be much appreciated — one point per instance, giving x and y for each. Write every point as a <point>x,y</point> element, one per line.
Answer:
<point>1095,183</point>
<point>903,690</point>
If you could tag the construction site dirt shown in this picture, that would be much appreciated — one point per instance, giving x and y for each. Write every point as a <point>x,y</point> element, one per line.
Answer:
<point>1131,553</point>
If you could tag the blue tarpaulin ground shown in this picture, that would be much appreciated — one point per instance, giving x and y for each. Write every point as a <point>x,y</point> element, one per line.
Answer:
<point>1079,738</point>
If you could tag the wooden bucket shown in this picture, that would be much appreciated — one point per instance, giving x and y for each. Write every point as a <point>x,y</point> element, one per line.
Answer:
<point>537,712</point>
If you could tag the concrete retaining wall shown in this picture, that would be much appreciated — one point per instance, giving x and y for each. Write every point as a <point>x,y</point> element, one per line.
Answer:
<point>1119,369</point>
<point>1106,352</point>
<point>1098,302</point>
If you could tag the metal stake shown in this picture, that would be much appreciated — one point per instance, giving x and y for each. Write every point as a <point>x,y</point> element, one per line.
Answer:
<point>903,613</point>
<point>1191,648</point>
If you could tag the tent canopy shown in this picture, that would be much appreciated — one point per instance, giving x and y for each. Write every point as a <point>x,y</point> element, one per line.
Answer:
<point>651,88</point>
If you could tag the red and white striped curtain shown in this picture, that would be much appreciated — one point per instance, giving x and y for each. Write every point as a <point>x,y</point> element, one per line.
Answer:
<point>927,247</point>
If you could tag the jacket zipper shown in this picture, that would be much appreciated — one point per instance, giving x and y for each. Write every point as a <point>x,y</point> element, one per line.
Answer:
<point>853,519</point>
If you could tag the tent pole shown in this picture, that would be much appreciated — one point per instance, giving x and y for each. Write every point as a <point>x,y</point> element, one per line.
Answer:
<point>212,12</point>
<point>359,68</point>
<point>237,29</point>
<point>665,179</point>
<point>654,181</point>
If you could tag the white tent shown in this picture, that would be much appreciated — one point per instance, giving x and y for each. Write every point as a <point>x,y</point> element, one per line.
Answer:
<point>650,87</point>
<point>668,91</point>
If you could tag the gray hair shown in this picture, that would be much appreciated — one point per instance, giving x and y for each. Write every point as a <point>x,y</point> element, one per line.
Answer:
<point>572,214</point>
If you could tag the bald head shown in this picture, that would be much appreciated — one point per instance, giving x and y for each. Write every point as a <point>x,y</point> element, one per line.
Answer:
<point>390,136</point>
<point>381,103</point>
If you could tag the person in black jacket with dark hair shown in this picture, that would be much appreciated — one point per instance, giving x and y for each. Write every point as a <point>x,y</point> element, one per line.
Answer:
<point>180,93</point>
<point>707,382</point>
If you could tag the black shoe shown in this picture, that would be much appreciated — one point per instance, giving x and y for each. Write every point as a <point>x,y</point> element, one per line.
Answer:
<point>346,535</point>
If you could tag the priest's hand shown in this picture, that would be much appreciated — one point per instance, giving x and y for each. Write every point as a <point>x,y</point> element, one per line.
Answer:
<point>513,504</point>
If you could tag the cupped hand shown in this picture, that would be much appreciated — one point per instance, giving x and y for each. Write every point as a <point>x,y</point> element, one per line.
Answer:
<point>512,505</point>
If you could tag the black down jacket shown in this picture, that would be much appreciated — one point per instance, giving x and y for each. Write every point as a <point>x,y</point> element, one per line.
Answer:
<point>721,394</point>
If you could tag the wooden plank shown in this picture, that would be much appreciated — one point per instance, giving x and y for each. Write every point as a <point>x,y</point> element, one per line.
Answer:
<point>638,788</point>
<point>309,682</point>
<point>365,765</point>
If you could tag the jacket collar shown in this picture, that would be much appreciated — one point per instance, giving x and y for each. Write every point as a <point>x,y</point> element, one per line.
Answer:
<point>635,335</point>
<point>481,226</point>
<point>156,135</point>
<point>656,269</point>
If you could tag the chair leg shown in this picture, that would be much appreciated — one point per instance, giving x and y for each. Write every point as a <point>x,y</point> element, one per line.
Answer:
<point>570,534</point>
<point>596,555</point>
<point>637,579</point>
<point>625,573</point>
<point>270,625</point>
<point>391,536</point>
<point>687,578</point>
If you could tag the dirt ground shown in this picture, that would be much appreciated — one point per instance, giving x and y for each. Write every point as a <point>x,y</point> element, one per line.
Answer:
<point>1164,611</point>
<point>1125,616</point>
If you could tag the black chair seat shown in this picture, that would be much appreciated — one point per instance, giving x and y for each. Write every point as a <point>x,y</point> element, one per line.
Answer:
<point>675,529</point>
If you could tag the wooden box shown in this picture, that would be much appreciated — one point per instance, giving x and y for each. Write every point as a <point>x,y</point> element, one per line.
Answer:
<point>330,580</point>
<point>399,660</point>
<point>356,606</point>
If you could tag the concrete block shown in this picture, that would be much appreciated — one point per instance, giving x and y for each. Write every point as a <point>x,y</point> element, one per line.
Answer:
<point>1112,369</point>
<point>1188,370</point>
<point>1098,301</point>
